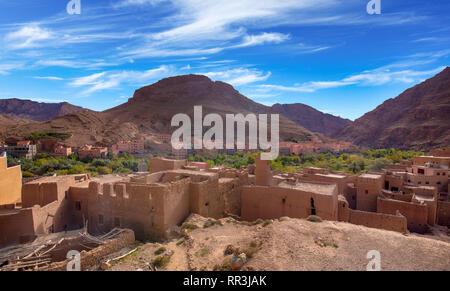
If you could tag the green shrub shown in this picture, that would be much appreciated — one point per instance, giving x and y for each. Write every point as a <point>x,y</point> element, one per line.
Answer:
<point>161,250</point>
<point>314,218</point>
<point>161,261</point>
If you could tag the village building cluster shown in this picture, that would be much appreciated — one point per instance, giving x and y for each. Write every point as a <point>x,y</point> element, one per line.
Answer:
<point>412,195</point>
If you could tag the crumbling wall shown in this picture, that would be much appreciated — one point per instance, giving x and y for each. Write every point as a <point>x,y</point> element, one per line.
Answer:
<point>443,213</point>
<point>230,189</point>
<point>378,220</point>
<point>275,202</point>
<point>416,214</point>
<point>16,226</point>
<point>97,255</point>
<point>161,164</point>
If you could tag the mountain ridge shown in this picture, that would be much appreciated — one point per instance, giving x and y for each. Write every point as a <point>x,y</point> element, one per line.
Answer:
<point>418,118</point>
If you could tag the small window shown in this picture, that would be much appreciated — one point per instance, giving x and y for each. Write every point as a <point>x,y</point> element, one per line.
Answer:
<point>428,183</point>
<point>284,200</point>
<point>438,174</point>
<point>78,205</point>
<point>366,191</point>
<point>419,183</point>
<point>439,183</point>
<point>100,219</point>
<point>443,174</point>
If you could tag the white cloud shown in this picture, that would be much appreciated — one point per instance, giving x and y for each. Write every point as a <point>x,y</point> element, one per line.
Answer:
<point>27,36</point>
<point>6,68</point>
<point>239,76</point>
<point>109,80</point>
<point>252,40</point>
<point>52,78</point>
<point>375,77</point>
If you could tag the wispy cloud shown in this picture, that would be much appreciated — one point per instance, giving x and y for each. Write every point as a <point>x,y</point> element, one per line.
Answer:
<point>28,36</point>
<point>52,78</point>
<point>238,76</point>
<point>112,79</point>
<point>375,77</point>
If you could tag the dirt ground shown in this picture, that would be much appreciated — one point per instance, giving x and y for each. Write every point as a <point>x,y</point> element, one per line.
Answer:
<point>290,244</point>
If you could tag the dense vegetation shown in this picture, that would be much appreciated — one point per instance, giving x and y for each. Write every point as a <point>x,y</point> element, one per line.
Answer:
<point>45,165</point>
<point>37,135</point>
<point>367,160</point>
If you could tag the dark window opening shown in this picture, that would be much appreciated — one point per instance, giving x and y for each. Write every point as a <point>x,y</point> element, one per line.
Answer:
<point>366,191</point>
<point>421,171</point>
<point>116,222</point>
<point>313,208</point>
<point>78,205</point>
<point>207,204</point>
<point>439,183</point>
<point>427,182</point>
<point>100,219</point>
<point>284,200</point>
<point>386,185</point>
<point>394,189</point>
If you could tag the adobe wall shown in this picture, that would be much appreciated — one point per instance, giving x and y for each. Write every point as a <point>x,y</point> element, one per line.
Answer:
<point>262,172</point>
<point>135,206</point>
<point>378,220</point>
<point>367,191</point>
<point>443,213</point>
<point>10,183</point>
<point>16,226</point>
<point>393,183</point>
<point>205,198</point>
<point>230,189</point>
<point>416,214</point>
<point>161,164</point>
<point>275,202</point>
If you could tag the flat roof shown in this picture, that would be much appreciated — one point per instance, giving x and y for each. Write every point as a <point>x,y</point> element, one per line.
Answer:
<point>332,176</point>
<point>370,176</point>
<point>318,188</point>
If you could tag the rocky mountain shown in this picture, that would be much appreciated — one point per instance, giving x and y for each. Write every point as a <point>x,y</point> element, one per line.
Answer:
<point>151,109</point>
<point>419,118</point>
<point>310,118</point>
<point>35,111</point>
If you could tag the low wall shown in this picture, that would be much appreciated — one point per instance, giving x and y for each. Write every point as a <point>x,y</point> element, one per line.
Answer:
<point>97,256</point>
<point>443,213</point>
<point>378,220</point>
<point>416,214</point>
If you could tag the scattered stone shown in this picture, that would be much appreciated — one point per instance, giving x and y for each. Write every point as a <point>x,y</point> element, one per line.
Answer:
<point>238,260</point>
<point>228,250</point>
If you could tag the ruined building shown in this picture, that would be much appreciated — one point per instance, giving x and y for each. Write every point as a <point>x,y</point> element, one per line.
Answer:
<point>154,204</point>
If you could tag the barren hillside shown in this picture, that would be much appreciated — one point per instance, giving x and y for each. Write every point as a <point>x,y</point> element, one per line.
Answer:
<point>292,244</point>
<point>419,119</point>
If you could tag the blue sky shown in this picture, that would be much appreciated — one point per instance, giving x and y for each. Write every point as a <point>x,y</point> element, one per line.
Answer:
<point>329,54</point>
